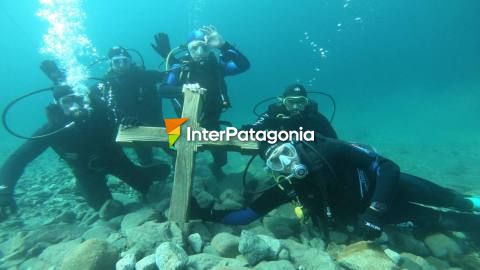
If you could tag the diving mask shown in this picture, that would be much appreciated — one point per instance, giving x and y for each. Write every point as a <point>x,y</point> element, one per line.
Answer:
<point>120,62</point>
<point>295,103</point>
<point>73,105</point>
<point>198,49</point>
<point>284,159</point>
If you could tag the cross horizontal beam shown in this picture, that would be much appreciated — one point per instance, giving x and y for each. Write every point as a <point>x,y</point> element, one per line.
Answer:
<point>157,136</point>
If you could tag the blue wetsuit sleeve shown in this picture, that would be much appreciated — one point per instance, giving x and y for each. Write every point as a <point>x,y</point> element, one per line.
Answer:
<point>240,217</point>
<point>232,60</point>
<point>269,200</point>
<point>172,77</point>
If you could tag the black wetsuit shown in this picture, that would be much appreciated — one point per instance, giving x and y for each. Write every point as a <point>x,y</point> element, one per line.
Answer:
<point>279,118</point>
<point>348,178</point>
<point>210,74</point>
<point>89,149</point>
<point>134,97</point>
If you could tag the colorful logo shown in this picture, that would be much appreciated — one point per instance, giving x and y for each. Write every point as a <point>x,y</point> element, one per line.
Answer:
<point>172,126</point>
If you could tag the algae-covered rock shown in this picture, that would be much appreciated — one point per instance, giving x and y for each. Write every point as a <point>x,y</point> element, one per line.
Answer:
<point>277,265</point>
<point>203,261</point>
<point>147,263</point>
<point>392,255</point>
<point>413,262</point>
<point>253,248</point>
<point>437,263</point>
<point>91,255</point>
<point>226,244</point>
<point>138,218</point>
<point>406,242</point>
<point>148,236</point>
<point>126,263</point>
<point>98,232</point>
<point>282,227</point>
<point>307,258</point>
<point>33,264</point>
<point>54,254</point>
<point>442,246</point>
<point>170,256</point>
<point>195,242</point>
<point>364,255</point>
<point>468,262</point>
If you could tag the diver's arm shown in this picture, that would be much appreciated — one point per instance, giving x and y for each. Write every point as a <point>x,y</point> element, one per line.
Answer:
<point>323,126</point>
<point>174,93</point>
<point>170,91</point>
<point>269,200</point>
<point>173,77</point>
<point>232,60</point>
<point>154,76</point>
<point>15,164</point>
<point>386,172</point>
<point>263,122</point>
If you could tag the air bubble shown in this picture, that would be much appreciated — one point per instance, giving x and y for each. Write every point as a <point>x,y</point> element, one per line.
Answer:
<point>66,40</point>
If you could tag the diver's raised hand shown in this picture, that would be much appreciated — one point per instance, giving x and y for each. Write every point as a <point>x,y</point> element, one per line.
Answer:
<point>53,72</point>
<point>213,38</point>
<point>162,44</point>
<point>7,204</point>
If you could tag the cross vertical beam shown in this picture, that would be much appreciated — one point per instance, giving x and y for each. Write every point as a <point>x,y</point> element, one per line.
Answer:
<point>185,160</point>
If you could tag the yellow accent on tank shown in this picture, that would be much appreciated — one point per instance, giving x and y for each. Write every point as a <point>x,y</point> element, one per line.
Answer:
<point>299,212</point>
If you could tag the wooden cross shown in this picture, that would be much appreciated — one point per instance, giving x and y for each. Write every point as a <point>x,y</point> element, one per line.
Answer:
<point>185,159</point>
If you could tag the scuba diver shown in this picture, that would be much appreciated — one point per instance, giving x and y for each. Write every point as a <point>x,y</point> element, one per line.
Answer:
<point>131,92</point>
<point>81,131</point>
<point>294,110</point>
<point>337,183</point>
<point>202,66</point>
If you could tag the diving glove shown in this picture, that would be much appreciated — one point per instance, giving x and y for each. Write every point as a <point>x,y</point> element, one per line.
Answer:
<point>162,45</point>
<point>52,71</point>
<point>7,204</point>
<point>369,224</point>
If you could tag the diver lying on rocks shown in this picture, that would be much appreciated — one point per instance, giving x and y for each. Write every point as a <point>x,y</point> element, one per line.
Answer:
<point>336,182</point>
<point>80,130</point>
